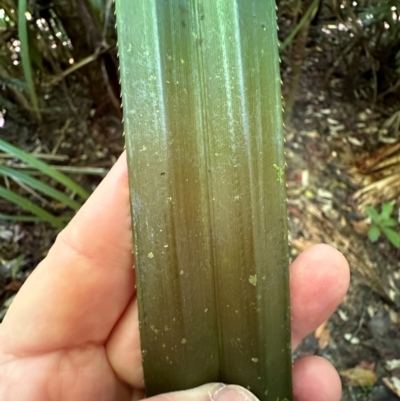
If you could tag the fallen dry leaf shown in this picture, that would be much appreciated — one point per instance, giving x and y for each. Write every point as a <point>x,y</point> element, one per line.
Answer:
<point>359,377</point>
<point>301,244</point>
<point>393,383</point>
<point>360,227</point>
<point>323,335</point>
<point>320,329</point>
<point>323,341</point>
<point>392,364</point>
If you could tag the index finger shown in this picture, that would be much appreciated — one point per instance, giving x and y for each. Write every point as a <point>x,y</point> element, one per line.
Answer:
<point>78,292</point>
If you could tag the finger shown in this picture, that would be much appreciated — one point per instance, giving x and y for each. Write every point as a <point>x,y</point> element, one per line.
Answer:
<point>123,348</point>
<point>208,392</point>
<point>81,288</point>
<point>315,379</point>
<point>319,279</point>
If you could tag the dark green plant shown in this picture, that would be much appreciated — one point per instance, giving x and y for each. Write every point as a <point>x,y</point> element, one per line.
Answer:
<point>40,41</point>
<point>34,185</point>
<point>23,34</point>
<point>383,223</point>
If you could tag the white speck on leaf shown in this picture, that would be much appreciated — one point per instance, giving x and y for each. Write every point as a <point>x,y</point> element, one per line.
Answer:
<point>253,280</point>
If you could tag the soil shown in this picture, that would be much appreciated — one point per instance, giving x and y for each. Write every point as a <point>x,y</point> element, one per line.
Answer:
<point>327,133</point>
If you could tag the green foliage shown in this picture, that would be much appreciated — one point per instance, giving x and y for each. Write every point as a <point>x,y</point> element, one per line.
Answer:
<point>25,57</point>
<point>43,168</point>
<point>39,186</point>
<point>98,7</point>
<point>30,207</point>
<point>306,17</point>
<point>35,186</point>
<point>382,223</point>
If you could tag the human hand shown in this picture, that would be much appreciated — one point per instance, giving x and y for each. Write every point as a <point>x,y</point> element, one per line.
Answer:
<point>72,332</point>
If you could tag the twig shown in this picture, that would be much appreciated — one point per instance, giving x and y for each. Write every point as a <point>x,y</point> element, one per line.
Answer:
<point>70,169</point>
<point>42,156</point>
<point>375,81</point>
<point>393,88</point>
<point>32,192</point>
<point>106,18</point>
<point>114,100</point>
<point>360,323</point>
<point>340,58</point>
<point>28,219</point>
<point>61,137</point>
<point>79,64</point>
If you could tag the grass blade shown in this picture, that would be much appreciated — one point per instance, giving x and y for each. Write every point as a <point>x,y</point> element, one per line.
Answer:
<point>25,57</point>
<point>392,236</point>
<point>40,186</point>
<point>202,109</point>
<point>44,168</point>
<point>307,16</point>
<point>30,207</point>
<point>30,219</point>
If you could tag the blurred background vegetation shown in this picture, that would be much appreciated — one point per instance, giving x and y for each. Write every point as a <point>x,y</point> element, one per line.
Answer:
<point>61,130</point>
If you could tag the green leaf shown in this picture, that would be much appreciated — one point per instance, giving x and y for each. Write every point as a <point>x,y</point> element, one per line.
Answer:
<point>307,15</point>
<point>44,168</point>
<point>374,233</point>
<point>373,214</point>
<point>40,186</point>
<point>392,236</point>
<point>389,223</point>
<point>98,8</point>
<point>25,57</point>
<point>203,129</point>
<point>30,207</point>
<point>387,209</point>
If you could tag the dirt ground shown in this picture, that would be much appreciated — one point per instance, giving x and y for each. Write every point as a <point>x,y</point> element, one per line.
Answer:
<point>326,135</point>
<point>362,339</point>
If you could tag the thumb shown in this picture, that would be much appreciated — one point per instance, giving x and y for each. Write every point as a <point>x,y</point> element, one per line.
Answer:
<point>209,392</point>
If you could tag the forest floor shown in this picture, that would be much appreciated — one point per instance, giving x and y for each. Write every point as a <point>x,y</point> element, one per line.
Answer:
<point>325,137</point>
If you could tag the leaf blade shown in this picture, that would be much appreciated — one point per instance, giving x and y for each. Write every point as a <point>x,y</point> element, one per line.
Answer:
<point>373,214</point>
<point>25,58</point>
<point>30,207</point>
<point>40,186</point>
<point>374,233</point>
<point>43,167</point>
<point>392,236</point>
<point>199,185</point>
<point>387,209</point>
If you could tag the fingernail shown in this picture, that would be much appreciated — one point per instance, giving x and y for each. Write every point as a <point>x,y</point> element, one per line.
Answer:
<point>209,392</point>
<point>233,393</point>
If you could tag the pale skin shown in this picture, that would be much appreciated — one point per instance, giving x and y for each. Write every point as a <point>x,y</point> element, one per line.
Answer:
<point>72,334</point>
